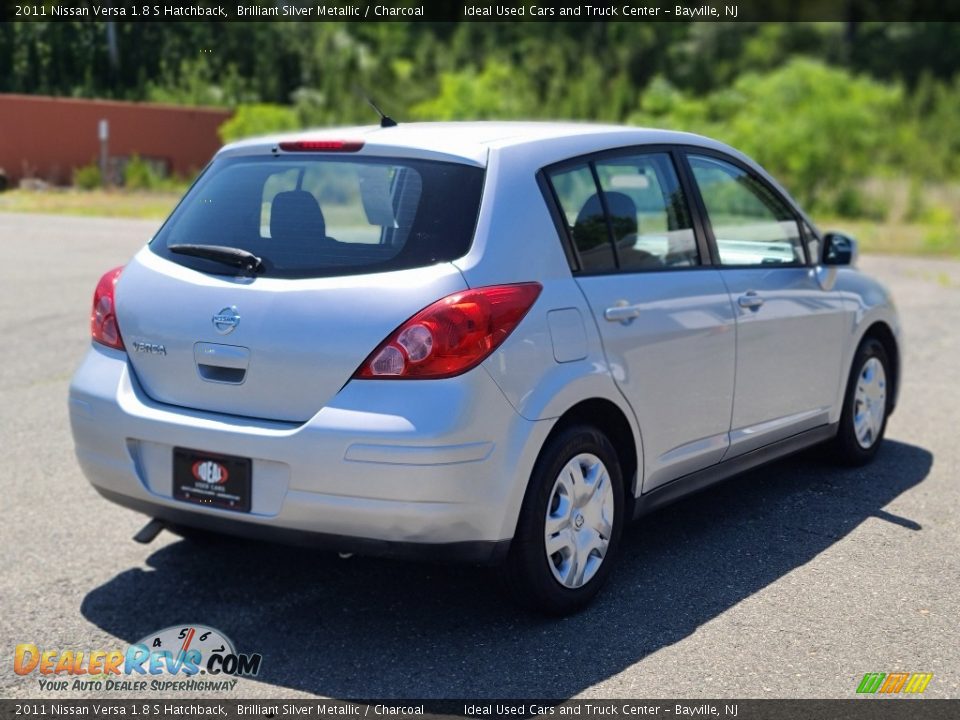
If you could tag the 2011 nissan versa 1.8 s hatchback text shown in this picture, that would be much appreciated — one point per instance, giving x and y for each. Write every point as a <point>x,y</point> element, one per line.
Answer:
<point>490,342</point>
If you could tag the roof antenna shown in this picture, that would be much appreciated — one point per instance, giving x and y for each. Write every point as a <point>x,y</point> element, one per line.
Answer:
<point>385,120</point>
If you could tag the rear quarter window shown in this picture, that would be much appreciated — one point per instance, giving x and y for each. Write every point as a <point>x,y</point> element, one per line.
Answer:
<point>324,216</point>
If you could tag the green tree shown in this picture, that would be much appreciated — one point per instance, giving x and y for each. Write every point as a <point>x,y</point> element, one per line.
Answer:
<point>495,92</point>
<point>259,119</point>
<point>817,128</point>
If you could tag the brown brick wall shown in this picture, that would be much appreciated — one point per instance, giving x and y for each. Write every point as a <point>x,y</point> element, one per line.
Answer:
<point>47,137</point>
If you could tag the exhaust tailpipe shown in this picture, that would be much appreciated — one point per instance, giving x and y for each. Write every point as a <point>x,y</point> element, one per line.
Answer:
<point>148,533</point>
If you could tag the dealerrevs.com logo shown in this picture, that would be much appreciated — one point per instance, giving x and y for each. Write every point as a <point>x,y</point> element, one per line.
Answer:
<point>171,659</point>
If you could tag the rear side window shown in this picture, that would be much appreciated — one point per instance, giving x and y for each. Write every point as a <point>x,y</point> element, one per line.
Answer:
<point>327,216</point>
<point>750,224</point>
<point>648,214</point>
<point>626,213</point>
<point>580,202</point>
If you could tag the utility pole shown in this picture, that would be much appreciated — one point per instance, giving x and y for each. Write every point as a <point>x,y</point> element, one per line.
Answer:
<point>103,133</point>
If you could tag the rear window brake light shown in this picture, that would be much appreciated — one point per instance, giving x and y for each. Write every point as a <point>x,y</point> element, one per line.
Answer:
<point>321,145</point>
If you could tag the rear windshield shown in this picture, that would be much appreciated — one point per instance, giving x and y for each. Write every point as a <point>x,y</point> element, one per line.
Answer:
<point>323,216</point>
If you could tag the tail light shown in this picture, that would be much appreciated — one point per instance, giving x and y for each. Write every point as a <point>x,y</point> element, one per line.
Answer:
<point>451,336</point>
<point>103,318</point>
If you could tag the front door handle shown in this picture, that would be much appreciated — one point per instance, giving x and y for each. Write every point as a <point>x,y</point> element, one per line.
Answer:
<point>622,313</point>
<point>750,300</point>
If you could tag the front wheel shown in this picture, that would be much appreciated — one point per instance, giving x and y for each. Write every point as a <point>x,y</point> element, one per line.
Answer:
<point>570,523</point>
<point>865,406</point>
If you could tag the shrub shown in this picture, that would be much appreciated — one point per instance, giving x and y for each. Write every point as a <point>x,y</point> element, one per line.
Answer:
<point>942,231</point>
<point>852,202</point>
<point>258,119</point>
<point>138,174</point>
<point>916,202</point>
<point>87,177</point>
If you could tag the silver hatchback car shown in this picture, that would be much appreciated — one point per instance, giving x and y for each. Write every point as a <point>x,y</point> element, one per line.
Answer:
<point>484,342</point>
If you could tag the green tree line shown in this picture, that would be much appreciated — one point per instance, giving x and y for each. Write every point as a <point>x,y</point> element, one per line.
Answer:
<point>823,105</point>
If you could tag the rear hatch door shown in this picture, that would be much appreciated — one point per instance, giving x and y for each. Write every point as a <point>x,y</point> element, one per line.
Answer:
<point>350,247</point>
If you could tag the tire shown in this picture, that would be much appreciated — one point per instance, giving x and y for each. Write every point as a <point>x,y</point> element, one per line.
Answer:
<point>578,482</point>
<point>861,428</point>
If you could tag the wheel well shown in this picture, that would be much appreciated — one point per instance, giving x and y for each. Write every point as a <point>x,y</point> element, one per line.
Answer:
<point>881,332</point>
<point>610,420</point>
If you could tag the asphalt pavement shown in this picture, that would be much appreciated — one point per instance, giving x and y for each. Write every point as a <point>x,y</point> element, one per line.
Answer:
<point>791,581</point>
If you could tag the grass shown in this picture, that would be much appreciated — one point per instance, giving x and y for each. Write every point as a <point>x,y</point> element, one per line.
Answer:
<point>937,235</point>
<point>932,239</point>
<point>143,205</point>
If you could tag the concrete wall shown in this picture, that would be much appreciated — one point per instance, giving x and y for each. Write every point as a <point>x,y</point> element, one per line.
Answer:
<point>47,137</point>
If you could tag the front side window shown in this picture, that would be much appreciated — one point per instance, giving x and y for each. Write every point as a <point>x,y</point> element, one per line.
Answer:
<point>324,216</point>
<point>751,225</point>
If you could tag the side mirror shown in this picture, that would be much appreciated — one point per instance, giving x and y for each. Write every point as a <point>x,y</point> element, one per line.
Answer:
<point>839,249</point>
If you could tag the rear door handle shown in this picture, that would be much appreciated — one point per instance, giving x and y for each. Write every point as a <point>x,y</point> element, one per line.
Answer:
<point>750,300</point>
<point>622,313</point>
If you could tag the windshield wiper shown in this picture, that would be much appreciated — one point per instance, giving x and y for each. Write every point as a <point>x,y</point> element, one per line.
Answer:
<point>235,257</point>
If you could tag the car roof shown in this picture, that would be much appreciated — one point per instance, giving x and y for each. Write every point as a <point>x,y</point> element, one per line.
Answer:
<point>470,141</point>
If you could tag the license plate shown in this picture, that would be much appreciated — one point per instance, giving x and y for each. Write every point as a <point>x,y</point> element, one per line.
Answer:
<point>221,481</point>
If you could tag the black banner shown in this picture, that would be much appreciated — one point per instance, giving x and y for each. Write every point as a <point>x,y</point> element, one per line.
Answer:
<point>476,10</point>
<point>871,708</point>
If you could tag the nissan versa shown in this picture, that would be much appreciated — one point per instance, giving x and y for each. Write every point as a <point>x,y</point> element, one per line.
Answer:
<point>484,342</point>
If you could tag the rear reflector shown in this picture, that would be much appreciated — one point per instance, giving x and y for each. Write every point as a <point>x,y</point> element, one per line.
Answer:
<point>453,335</point>
<point>103,316</point>
<point>321,145</point>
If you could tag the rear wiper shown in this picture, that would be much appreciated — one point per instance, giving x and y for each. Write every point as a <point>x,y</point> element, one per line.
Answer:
<point>235,257</point>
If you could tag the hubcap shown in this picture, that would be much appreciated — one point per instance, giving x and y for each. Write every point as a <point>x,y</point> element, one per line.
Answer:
<point>579,520</point>
<point>869,403</point>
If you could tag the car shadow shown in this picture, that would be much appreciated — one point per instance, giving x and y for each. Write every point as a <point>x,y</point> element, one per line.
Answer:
<point>380,629</point>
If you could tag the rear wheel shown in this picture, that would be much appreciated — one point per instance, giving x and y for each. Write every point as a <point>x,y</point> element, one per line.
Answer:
<point>569,526</point>
<point>866,405</point>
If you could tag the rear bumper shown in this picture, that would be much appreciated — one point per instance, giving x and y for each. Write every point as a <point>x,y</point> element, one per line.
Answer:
<point>415,469</point>
<point>479,551</point>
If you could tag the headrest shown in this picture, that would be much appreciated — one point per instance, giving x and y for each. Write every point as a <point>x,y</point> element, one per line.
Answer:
<point>296,215</point>
<point>623,213</point>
